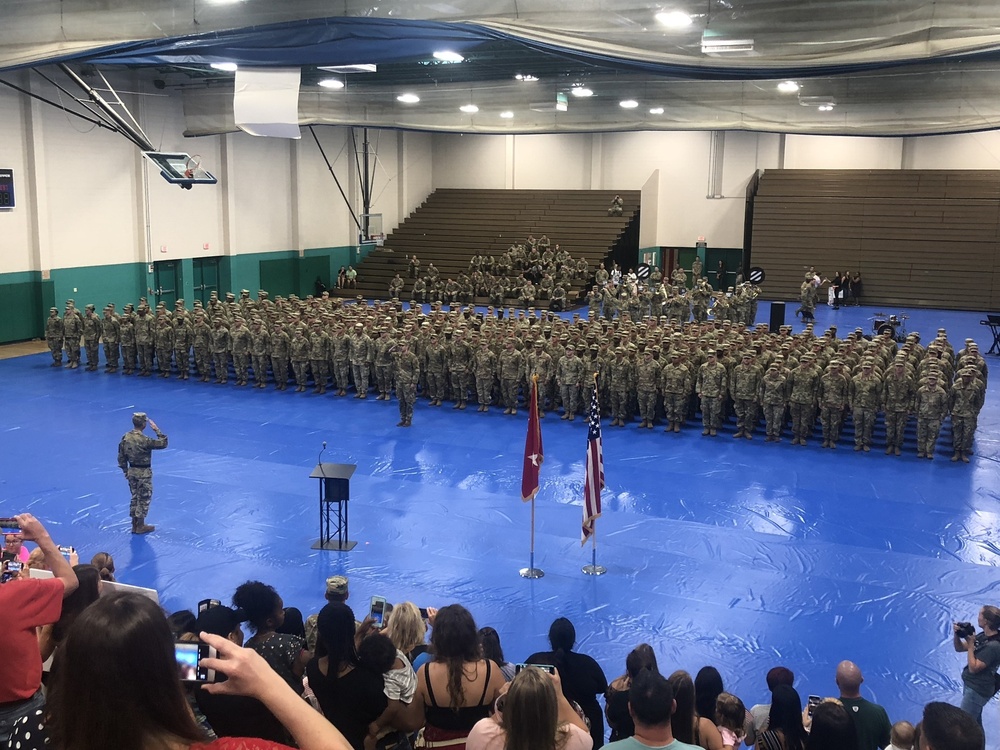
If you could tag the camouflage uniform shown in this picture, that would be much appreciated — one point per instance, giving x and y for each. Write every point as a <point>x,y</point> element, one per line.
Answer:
<point>164,340</point>
<point>803,384</point>
<point>299,351</point>
<point>201,336</point>
<point>897,400</point>
<point>319,349</point>
<point>54,336</point>
<point>134,459</point>
<point>966,400</point>
<point>511,372</point>
<point>220,350</point>
<point>539,364</point>
<point>675,387</point>
<point>111,334</point>
<point>129,349</point>
<point>406,372</point>
<point>280,344</point>
<point>459,362</point>
<point>866,397</point>
<point>711,389</point>
<point>932,407</point>
<point>384,365</point>
<point>436,366</point>
<point>647,381</point>
<point>484,364</point>
<point>773,398</point>
<point>92,338</point>
<point>260,349</point>
<point>240,342</point>
<point>362,353</point>
<point>72,331</point>
<point>834,396</point>
<point>570,376</point>
<point>743,386</point>
<point>144,341</point>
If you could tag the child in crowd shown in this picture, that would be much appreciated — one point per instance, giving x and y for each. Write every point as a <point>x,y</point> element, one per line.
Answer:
<point>730,717</point>
<point>902,736</point>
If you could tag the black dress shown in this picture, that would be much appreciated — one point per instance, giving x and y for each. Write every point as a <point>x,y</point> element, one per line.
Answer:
<point>350,702</point>
<point>582,681</point>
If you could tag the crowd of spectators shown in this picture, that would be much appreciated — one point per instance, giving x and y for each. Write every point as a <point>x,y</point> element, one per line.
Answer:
<point>329,681</point>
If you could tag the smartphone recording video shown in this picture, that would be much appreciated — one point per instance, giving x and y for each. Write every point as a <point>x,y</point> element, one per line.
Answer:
<point>378,611</point>
<point>189,656</point>
<point>11,570</point>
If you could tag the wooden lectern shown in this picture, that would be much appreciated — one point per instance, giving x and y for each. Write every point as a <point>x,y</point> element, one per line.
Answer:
<point>334,488</point>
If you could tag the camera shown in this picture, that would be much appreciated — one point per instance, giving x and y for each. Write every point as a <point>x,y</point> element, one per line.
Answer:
<point>965,629</point>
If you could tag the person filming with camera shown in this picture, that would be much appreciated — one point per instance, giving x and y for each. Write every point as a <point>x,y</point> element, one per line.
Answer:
<point>980,675</point>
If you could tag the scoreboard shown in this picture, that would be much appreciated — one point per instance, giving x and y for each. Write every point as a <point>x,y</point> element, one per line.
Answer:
<point>6,188</point>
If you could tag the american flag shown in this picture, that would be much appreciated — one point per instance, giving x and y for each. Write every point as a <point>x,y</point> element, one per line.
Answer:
<point>594,481</point>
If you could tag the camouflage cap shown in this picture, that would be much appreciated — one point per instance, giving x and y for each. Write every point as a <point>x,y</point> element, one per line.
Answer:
<point>139,415</point>
<point>336,586</point>
<point>54,309</point>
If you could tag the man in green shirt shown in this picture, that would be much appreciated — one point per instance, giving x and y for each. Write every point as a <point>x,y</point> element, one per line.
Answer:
<point>870,719</point>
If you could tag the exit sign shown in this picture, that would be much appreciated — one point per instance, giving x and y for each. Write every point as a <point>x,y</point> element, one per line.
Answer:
<point>6,188</point>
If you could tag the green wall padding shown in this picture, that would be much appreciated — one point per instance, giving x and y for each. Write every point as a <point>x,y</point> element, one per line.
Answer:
<point>278,277</point>
<point>19,311</point>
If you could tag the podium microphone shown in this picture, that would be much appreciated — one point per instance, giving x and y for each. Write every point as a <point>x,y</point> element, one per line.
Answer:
<point>319,460</point>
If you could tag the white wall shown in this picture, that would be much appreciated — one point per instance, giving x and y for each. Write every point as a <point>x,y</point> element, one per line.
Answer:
<point>548,162</point>
<point>468,161</point>
<point>15,224</point>
<point>967,151</point>
<point>842,152</point>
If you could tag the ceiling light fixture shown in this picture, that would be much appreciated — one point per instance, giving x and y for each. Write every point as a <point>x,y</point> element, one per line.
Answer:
<point>331,83</point>
<point>628,104</point>
<point>469,109</point>
<point>825,107</point>
<point>408,98</point>
<point>525,77</point>
<point>581,91</point>
<point>507,115</point>
<point>447,56</point>
<point>788,87</point>
<point>674,19</point>
<point>228,67</point>
<point>656,111</point>
<point>355,68</point>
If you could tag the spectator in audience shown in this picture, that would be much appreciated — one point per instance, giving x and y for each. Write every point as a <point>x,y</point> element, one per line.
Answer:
<point>533,714</point>
<point>832,728</point>
<point>265,611</point>
<point>458,687</point>
<point>121,653</point>
<point>26,605</point>
<point>581,676</point>
<point>730,719</point>
<point>379,654</point>
<point>946,727</point>
<point>784,726</point>
<point>350,695</point>
<point>707,688</point>
<point>234,715</point>
<point>983,651</point>
<point>406,629</point>
<point>14,549</point>
<point>337,590</point>
<point>616,696</point>
<point>902,736</point>
<point>760,713</point>
<point>341,278</point>
<point>687,725</point>
<point>105,565</point>
<point>651,703</point>
<point>617,204</point>
<point>51,636</point>
<point>182,623</point>
<point>489,639</point>
<point>352,277</point>
<point>292,623</point>
<point>870,719</point>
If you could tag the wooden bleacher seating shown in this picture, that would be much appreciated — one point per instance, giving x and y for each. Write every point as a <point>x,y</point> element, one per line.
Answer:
<point>920,238</point>
<point>454,224</point>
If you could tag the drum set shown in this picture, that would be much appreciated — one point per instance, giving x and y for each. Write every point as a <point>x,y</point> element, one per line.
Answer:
<point>893,325</point>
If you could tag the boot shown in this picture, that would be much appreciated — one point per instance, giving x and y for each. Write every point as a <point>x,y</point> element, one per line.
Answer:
<point>739,434</point>
<point>955,456</point>
<point>139,526</point>
<point>888,450</point>
<point>964,456</point>
<point>898,451</point>
<point>677,426</point>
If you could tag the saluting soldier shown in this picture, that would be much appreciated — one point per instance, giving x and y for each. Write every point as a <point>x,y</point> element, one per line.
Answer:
<point>135,460</point>
<point>54,336</point>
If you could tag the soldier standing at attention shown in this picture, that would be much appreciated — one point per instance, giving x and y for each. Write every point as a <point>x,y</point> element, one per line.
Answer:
<point>744,384</point>
<point>91,337</point>
<point>111,333</point>
<point>932,408</point>
<point>260,350</point>
<point>484,364</point>
<point>127,334</point>
<point>72,331</point>
<point>711,389</point>
<point>406,372</point>
<point>834,394</point>
<point>511,369</point>
<point>897,401</point>
<point>144,340</point>
<point>163,338</point>
<point>135,460</point>
<point>362,353</point>
<point>674,386</point>
<point>772,400</point>
<point>54,336</point>
<point>966,400</point>
<point>866,397</point>
<point>647,381</point>
<point>570,376</point>
<point>220,351</point>
<point>803,384</point>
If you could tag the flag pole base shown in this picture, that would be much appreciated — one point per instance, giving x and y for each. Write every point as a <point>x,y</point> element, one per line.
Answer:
<point>532,573</point>
<point>594,570</point>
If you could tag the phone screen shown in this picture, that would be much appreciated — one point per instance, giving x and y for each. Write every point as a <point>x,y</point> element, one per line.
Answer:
<point>9,526</point>
<point>814,700</point>
<point>544,667</point>
<point>188,657</point>
<point>378,610</point>
<point>10,571</point>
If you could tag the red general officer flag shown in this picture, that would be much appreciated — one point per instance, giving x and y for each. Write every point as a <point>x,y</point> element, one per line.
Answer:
<point>532,448</point>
